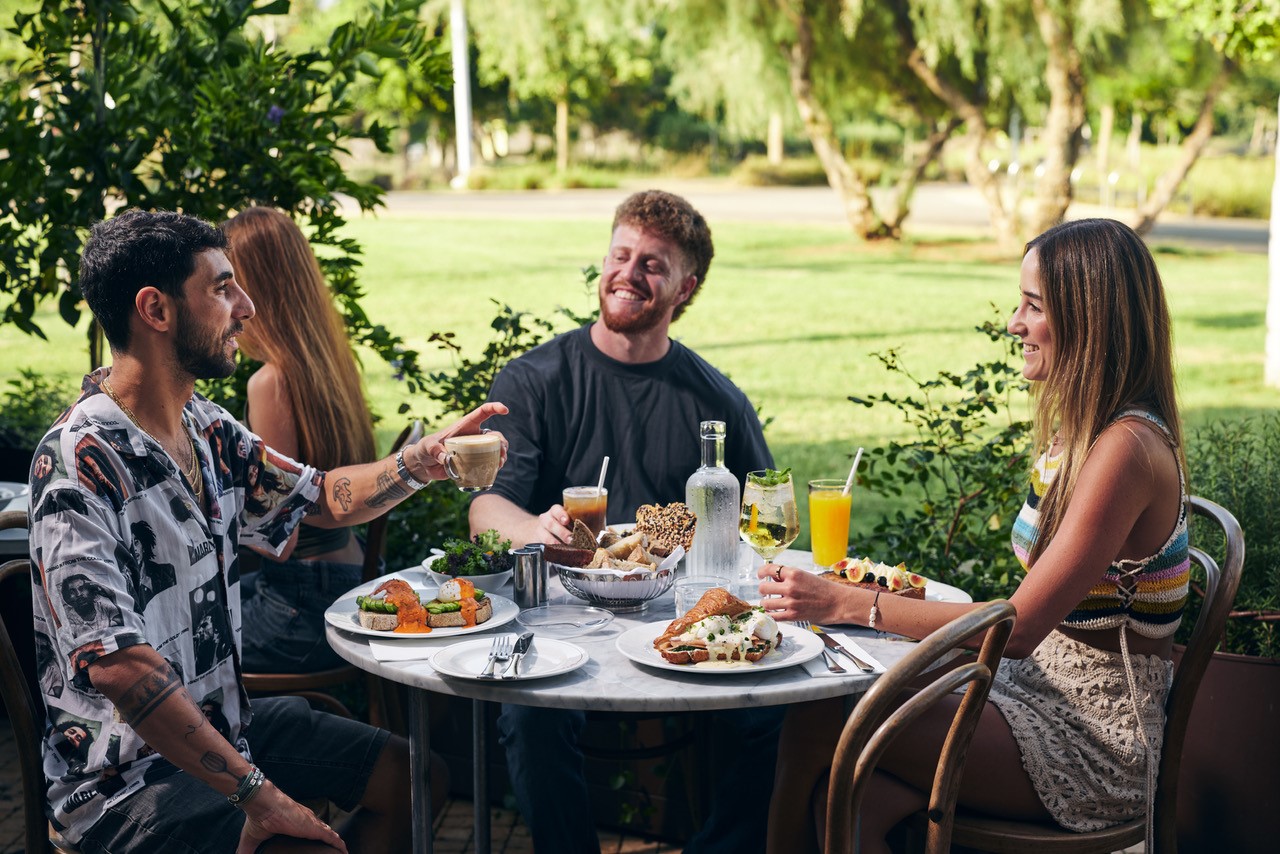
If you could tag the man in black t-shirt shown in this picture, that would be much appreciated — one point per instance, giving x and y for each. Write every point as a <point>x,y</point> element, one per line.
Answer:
<point>621,387</point>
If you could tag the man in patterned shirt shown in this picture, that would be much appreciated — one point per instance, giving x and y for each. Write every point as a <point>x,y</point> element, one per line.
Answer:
<point>141,493</point>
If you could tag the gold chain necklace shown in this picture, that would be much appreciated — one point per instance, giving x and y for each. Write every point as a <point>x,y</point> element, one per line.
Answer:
<point>192,475</point>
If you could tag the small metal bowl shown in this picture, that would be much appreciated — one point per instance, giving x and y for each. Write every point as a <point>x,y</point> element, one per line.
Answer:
<point>618,593</point>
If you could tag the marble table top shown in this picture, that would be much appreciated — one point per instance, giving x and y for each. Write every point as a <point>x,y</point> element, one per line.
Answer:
<point>610,681</point>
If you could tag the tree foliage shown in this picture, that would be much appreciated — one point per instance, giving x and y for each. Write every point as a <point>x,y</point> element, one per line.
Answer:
<point>164,106</point>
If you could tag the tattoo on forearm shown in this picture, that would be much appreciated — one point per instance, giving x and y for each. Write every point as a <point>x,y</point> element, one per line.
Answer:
<point>342,492</point>
<point>149,693</point>
<point>389,488</point>
<point>192,729</point>
<point>215,764</point>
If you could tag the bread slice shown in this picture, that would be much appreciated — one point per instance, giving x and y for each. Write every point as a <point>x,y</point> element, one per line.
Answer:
<point>378,622</point>
<point>697,656</point>
<point>906,592</point>
<point>715,602</point>
<point>626,545</point>
<point>582,538</point>
<point>567,555</point>
<point>667,526</point>
<point>454,619</point>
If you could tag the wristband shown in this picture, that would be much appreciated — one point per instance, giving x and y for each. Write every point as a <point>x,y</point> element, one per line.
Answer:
<point>875,611</point>
<point>403,471</point>
<point>249,787</point>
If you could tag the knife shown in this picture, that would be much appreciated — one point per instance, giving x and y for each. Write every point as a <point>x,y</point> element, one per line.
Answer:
<point>522,646</point>
<point>833,644</point>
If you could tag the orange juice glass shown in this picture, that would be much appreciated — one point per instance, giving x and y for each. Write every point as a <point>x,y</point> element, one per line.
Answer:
<point>829,507</point>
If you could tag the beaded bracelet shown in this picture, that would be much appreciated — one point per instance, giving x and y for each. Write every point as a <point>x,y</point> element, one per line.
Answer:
<point>875,611</point>
<point>405,475</point>
<point>249,787</point>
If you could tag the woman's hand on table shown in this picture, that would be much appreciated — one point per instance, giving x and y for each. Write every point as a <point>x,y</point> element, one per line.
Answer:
<point>794,594</point>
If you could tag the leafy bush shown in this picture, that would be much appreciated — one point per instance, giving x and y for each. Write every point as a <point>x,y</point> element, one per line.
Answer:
<point>1237,465</point>
<point>28,408</point>
<point>187,107</point>
<point>757,171</point>
<point>970,473</point>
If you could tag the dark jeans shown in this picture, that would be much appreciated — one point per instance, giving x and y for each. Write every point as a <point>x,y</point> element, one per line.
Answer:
<point>307,754</point>
<point>546,769</point>
<point>282,614</point>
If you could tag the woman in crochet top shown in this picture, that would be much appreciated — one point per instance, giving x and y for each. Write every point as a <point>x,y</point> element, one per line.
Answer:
<point>1072,732</point>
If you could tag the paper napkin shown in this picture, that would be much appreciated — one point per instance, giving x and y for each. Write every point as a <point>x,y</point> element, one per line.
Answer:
<point>403,650</point>
<point>818,666</point>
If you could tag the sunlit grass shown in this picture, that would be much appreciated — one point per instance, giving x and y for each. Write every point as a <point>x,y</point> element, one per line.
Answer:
<point>791,314</point>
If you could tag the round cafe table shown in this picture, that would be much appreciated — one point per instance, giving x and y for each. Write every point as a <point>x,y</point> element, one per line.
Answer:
<point>609,681</point>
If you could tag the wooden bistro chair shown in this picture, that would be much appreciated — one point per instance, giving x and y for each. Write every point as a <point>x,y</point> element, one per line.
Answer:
<point>383,711</point>
<point>878,718</point>
<point>26,714</point>
<point>989,834</point>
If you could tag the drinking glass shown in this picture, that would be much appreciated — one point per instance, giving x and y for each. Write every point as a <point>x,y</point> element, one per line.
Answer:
<point>588,503</point>
<point>829,507</point>
<point>769,522</point>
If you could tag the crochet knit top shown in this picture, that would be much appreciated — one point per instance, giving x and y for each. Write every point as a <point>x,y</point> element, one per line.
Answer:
<point>1147,595</point>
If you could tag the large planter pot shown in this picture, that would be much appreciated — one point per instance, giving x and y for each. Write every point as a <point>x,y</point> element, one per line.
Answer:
<point>1229,786</point>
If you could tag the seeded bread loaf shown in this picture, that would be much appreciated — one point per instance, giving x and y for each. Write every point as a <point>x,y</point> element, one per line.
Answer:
<point>667,526</point>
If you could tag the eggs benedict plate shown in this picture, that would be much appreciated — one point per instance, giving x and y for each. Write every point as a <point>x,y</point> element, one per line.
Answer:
<point>396,606</point>
<point>721,633</point>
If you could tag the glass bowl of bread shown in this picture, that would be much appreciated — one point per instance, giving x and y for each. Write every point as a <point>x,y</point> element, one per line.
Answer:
<point>625,571</point>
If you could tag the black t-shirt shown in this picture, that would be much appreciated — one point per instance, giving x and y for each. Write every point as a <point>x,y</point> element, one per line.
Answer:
<point>571,405</point>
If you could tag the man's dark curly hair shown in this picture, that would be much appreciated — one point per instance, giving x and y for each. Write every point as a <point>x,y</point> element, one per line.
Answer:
<point>135,249</point>
<point>674,219</point>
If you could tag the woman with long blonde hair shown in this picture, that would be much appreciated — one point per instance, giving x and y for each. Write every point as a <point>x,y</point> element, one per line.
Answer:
<point>306,401</point>
<point>1072,731</point>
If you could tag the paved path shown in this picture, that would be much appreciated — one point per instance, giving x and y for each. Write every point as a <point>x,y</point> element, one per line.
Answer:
<point>937,208</point>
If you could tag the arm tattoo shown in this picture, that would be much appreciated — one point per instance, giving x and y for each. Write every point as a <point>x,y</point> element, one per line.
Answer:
<point>342,492</point>
<point>389,488</point>
<point>149,693</point>
<point>215,764</point>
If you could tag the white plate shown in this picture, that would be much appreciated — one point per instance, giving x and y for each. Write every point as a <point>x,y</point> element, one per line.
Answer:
<point>936,591</point>
<point>565,621</point>
<point>797,647</point>
<point>546,657</point>
<point>342,614</point>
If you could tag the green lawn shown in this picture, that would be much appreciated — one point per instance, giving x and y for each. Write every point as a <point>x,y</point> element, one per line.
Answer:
<point>791,314</point>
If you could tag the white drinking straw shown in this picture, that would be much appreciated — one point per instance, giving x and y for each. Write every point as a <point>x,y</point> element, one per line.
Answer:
<point>848,484</point>
<point>604,467</point>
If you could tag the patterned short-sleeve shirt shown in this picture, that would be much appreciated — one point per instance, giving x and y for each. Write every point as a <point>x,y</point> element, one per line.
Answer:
<point>122,555</point>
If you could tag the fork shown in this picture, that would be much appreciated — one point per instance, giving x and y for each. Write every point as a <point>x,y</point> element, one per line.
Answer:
<point>827,657</point>
<point>499,652</point>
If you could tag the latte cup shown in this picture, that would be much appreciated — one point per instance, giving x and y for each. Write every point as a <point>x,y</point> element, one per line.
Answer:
<point>473,461</point>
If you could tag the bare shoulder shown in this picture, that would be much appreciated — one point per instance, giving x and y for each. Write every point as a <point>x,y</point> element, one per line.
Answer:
<point>1137,453</point>
<point>267,383</point>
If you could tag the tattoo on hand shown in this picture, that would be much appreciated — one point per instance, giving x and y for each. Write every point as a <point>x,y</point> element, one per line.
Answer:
<point>342,492</point>
<point>389,488</point>
<point>150,691</point>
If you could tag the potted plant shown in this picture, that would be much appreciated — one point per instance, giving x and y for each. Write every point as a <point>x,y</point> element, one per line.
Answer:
<point>1229,788</point>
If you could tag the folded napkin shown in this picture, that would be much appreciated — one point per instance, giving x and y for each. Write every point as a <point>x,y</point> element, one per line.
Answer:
<point>818,666</point>
<point>404,650</point>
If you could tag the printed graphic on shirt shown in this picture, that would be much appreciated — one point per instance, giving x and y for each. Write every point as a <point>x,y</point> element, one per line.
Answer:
<point>210,628</point>
<point>51,682</point>
<point>151,576</point>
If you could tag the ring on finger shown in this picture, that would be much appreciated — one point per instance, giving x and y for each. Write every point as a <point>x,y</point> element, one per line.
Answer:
<point>777,574</point>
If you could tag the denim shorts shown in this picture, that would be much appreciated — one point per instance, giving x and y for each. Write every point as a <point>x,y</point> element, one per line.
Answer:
<point>282,615</point>
<point>307,754</point>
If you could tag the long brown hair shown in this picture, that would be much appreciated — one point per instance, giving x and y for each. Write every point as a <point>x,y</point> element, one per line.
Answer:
<point>299,331</point>
<point>1112,347</point>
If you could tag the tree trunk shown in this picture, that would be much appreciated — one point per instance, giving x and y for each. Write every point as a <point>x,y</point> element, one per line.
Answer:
<point>562,134</point>
<point>841,176</point>
<point>1259,131</point>
<point>1106,131</point>
<point>1065,118</point>
<point>1133,144</point>
<point>774,140</point>
<point>905,188</point>
<point>1192,146</point>
<point>1004,222</point>
<point>1272,373</point>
